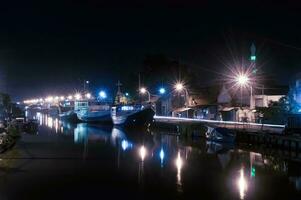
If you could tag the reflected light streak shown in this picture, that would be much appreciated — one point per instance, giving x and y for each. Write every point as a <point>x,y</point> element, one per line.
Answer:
<point>242,185</point>
<point>49,122</point>
<point>142,152</point>
<point>56,125</point>
<point>179,165</point>
<point>162,155</point>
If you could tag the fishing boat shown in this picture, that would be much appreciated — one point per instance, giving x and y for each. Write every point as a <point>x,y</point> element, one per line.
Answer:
<point>67,113</point>
<point>136,114</point>
<point>127,113</point>
<point>92,111</point>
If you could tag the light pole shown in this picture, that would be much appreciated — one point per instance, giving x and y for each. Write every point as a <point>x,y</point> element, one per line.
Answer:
<point>243,80</point>
<point>179,87</point>
<point>143,90</point>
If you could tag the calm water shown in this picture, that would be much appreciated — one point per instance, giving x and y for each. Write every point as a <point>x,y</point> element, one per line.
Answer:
<point>65,161</point>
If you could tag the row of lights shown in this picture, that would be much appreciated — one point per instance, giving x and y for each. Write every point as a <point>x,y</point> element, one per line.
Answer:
<point>77,96</point>
<point>102,94</point>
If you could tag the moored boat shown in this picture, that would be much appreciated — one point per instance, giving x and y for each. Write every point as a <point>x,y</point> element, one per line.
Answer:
<point>136,114</point>
<point>92,111</point>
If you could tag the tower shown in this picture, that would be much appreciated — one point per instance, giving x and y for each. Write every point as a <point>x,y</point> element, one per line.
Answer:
<point>253,58</point>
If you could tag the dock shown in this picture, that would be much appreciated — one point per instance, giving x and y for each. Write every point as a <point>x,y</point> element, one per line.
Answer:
<point>240,126</point>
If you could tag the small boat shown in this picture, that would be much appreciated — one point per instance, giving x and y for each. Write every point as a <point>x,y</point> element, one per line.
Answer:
<point>67,113</point>
<point>136,114</point>
<point>220,134</point>
<point>92,111</point>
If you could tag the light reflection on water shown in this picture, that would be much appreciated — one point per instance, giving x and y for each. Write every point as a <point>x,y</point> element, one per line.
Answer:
<point>172,153</point>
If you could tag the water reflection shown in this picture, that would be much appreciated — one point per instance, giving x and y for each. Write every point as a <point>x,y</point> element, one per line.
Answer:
<point>179,164</point>
<point>150,151</point>
<point>161,155</point>
<point>142,152</point>
<point>242,184</point>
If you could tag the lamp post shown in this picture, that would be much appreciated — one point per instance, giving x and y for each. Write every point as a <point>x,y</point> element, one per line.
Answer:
<point>179,87</point>
<point>243,81</point>
<point>143,90</point>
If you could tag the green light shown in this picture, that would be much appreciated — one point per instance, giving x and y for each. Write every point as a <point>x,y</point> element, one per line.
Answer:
<point>253,58</point>
<point>253,172</point>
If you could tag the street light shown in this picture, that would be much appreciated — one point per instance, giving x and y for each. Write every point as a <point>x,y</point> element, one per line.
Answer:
<point>179,87</point>
<point>143,90</point>
<point>77,96</point>
<point>162,90</point>
<point>88,95</point>
<point>243,80</point>
<point>102,94</point>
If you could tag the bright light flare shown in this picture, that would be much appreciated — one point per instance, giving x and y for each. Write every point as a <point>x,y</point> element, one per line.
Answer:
<point>143,90</point>
<point>62,98</point>
<point>70,97</point>
<point>88,95</point>
<point>242,79</point>
<point>179,86</point>
<point>162,90</point>
<point>103,94</point>
<point>77,96</point>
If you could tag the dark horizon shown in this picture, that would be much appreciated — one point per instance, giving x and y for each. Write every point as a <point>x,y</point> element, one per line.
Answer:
<point>49,47</point>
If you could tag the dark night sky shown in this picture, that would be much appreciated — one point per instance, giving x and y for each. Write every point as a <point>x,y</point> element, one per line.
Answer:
<point>48,47</point>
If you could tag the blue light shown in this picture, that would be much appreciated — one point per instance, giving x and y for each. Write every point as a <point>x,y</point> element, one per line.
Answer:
<point>127,94</point>
<point>124,144</point>
<point>162,155</point>
<point>162,90</point>
<point>103,94</point>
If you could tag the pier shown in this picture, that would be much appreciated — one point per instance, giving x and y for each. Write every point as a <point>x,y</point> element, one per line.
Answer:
<point>239,126</point>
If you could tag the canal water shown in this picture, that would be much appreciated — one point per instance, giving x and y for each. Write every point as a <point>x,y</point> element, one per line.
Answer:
<point>81,161</point>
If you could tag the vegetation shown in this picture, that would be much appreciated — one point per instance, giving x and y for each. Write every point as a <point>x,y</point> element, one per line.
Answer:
<point>277,112</point>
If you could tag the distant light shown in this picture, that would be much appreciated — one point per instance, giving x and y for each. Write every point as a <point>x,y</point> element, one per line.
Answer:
<point>56,98</point>
<point>143,90</point>
<point>253,172</point>
<point>49,99</point>
<point>127,94</point>
<point>77,96</point>
<point>70,97</point>
<point>88,95</point>
<point>162,90</point>
<point>102,94</point>
<point>179,86</point>
<point>62,98</point>
<point>142,152</point>
<point>253,58</point>
<point>87,82</point>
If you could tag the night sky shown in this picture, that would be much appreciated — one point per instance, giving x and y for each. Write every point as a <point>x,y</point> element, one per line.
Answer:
<point>52,47</point>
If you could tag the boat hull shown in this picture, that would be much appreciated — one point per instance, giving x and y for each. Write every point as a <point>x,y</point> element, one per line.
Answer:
<point>68,116</point>
<point>140,118</point>
<point>97,116</point>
